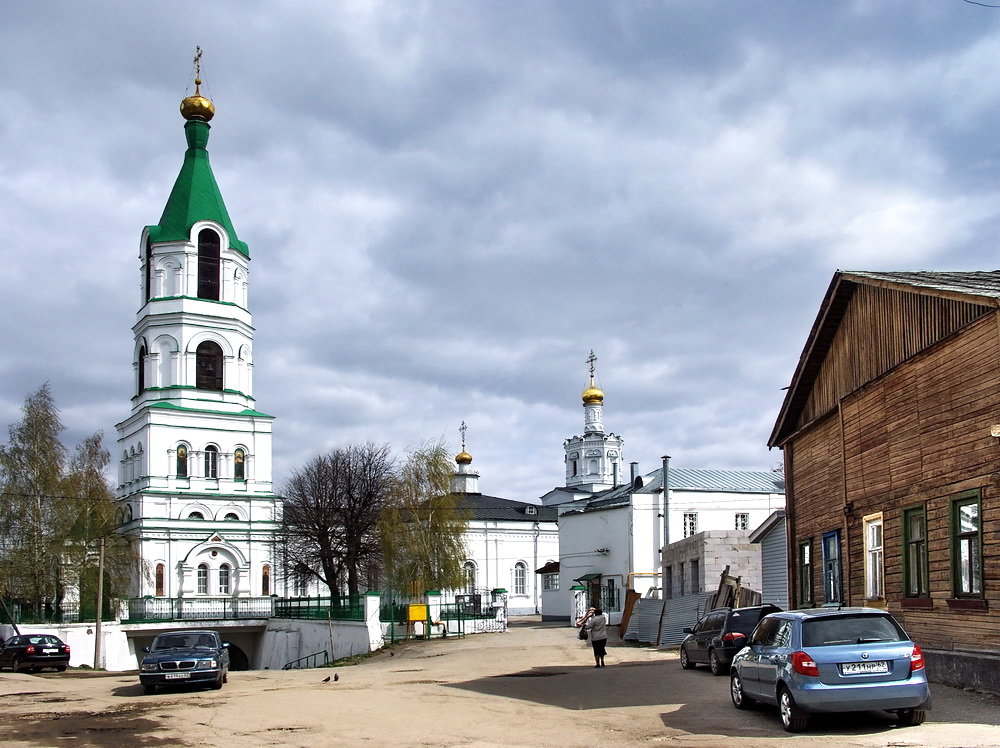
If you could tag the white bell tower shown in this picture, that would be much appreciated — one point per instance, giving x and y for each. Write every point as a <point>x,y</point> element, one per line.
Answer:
<point>194,482</point>
<point>594,460</point>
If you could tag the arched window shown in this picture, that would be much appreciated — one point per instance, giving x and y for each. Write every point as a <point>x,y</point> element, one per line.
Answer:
<point>202,579</point>
<point>469,568</point>
<point>224,579</point>
<point>520,578</point>
<point>182,461</point>
<point>196,515</point>
<point>142,368</point>
<point>159,579</point>
<point>211,461</point>
<point>239,465</point>
<point>232,517</point>
<point>265,580</point>
<point>149,270</point>
<point>208,366</point>
<point>208,265</point>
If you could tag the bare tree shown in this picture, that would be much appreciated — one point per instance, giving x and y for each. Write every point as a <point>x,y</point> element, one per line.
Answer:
<point>331,512</point>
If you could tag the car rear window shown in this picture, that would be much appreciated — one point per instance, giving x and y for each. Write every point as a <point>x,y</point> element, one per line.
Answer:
<point>743,621</point>
<point>827,632</point>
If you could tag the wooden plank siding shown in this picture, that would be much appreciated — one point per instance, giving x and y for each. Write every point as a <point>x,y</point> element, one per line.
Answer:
<point>881,328</point>
<point>918,433</point>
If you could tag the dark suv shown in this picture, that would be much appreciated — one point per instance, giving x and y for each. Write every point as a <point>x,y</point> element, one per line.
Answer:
<point>719,635</point>
<point>179,657</point>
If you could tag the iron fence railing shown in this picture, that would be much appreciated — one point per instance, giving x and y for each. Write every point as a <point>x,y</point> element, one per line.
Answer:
<point>317,659</point>
<point>67,612</point>
<point>337,608</point>
<point>149,609</point>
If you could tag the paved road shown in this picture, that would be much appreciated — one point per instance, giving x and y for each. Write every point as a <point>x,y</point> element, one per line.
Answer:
<point>532,686</point>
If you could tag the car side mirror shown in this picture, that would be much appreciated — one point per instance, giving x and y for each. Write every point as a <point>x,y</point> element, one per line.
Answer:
<point>687,630</point>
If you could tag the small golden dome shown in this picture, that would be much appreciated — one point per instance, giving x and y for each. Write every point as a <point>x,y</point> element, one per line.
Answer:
<point>197,107</point>
<point>592,394</point>
<point>463,458</point>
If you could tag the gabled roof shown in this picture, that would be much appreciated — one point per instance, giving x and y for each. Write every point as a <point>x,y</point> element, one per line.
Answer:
<point>195,195</point>
<point>685,479</point>
<point>482,507</point>
<point>982,287</point>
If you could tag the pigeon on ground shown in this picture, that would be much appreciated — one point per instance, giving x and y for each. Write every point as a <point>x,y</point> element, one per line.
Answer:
<point>326,679</point>
<point>336,677</point>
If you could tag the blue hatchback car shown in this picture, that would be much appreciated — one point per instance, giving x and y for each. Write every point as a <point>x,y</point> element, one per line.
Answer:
<point>831,660</point>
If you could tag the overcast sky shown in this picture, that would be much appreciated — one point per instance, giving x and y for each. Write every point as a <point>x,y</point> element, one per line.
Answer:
<point>449,204</point>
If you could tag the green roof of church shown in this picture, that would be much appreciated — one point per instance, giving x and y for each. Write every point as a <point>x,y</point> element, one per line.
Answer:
<point>195,196</point>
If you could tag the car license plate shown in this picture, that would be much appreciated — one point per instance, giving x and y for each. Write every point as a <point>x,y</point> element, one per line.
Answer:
<point>50,651</point>
<point>177,676</point>
<point>864,668</point>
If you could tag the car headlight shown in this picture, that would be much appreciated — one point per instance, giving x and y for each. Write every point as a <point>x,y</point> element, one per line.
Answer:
<point>148,667</point>
<point>206,664</point>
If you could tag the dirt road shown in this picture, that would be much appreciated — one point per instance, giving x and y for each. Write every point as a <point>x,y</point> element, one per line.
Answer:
<point>532,686</point>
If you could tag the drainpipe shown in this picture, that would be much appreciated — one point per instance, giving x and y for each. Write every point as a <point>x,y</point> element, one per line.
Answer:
<point>666,499</point>
<point>535,578</point>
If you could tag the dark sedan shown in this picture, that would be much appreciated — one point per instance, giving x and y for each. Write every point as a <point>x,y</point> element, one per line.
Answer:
<point>180,657</point>
<point>32,652</point>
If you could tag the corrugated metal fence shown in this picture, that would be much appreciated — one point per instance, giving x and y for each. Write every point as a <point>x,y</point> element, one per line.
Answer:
<point>661,622</point>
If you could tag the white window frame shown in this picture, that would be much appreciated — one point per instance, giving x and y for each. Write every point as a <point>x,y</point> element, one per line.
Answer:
<point>742,521</point>
<point>550,582</point>
<point>520,574</point>
<point>225,579</point>
<point>874,557</point>
<point>202,577</point>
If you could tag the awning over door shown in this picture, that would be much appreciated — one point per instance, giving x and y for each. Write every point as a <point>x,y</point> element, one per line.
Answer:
<point>587,577</point>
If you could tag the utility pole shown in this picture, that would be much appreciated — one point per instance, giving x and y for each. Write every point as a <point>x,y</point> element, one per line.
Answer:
<point>100,604</point>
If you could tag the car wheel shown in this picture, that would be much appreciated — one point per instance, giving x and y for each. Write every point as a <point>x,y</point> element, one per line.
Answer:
<point>911,717</point>
<point>217,683</point>
<point>715,664</point>
<point>61,669</point>
<point>792,718</point>
<point>15,664</point>
<point>740,699</point>
<point>685,660</point>
<point>148,688</point>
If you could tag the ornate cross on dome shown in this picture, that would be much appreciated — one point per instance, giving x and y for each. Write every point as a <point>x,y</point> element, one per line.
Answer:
<point>197,71</point>
<point>591,359</point>
<point>462,429</point>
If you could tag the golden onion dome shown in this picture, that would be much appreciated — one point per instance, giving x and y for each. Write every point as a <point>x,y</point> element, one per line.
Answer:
<point>463,458</point>
<point>197,106</point>
<point>592,394</point>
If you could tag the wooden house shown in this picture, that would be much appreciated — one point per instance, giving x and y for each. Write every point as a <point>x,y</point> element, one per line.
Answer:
<point>890,431</point>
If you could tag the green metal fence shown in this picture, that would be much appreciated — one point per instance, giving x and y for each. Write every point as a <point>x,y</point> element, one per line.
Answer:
<point>337,608</point>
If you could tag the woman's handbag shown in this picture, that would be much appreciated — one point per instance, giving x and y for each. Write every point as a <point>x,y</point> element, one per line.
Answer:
<point>583,633</point>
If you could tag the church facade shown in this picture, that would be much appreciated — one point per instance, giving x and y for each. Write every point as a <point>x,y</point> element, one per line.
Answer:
<point>194,476</point>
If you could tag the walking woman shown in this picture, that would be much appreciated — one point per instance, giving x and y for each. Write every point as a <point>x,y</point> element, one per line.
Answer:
<point>597,626</point>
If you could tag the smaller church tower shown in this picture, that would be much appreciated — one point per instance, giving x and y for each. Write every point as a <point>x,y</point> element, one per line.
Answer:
<point>465,480</point>
<point>593,461</point>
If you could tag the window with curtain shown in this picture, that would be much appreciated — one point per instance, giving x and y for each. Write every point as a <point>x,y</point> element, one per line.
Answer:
<point>202,579</point>
<point>967,562</point>
<point>915,552</point>
<point>224,579</point>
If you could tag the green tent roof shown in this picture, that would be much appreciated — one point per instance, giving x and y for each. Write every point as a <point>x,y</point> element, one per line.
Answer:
<point>195,196</point>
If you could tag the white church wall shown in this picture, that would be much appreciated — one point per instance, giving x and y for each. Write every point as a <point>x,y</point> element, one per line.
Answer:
<point>496,547</point>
